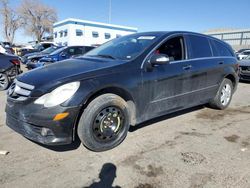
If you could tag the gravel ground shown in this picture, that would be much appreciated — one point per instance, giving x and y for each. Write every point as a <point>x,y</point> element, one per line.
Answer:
<point>199,147</point>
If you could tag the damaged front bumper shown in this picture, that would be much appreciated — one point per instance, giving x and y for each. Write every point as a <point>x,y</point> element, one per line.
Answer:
<point>36,122</point>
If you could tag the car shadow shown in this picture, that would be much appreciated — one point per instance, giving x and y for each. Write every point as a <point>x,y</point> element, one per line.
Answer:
<point>107,176</point>
<point>165,117</point>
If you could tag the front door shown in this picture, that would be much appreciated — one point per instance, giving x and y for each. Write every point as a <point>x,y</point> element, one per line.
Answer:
<point>166,85</point>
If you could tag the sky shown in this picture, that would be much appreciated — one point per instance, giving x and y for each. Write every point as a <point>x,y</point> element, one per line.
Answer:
<point>154,15</point>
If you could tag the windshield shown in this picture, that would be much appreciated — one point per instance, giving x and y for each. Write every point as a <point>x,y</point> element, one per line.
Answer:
<point>124,48</point>
<point>37,46</point>
<point>58,51</point>
<point>50,50</point>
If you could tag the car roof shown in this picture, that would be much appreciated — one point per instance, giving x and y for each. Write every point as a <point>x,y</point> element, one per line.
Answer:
<point>166,33</point>
<point>176,32</point>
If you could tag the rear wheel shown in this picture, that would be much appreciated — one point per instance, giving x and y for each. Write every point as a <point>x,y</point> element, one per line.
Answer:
<point>104,123</point>
<point>223,96</point>
<point>4,81</point>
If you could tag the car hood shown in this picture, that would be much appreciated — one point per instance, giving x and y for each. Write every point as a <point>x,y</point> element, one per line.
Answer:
<point>244,63</point>
<point>67,71</point>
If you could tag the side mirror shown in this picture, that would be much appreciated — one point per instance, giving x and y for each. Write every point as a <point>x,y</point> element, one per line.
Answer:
<point>159,59</point>
<point>63,54</point>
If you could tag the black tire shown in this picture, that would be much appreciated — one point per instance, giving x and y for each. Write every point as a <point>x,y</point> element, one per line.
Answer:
<point>217,102</point>
<point>4,81</point>
<point>90,127</point>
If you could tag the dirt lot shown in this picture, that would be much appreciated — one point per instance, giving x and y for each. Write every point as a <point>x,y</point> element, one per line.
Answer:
<point>199,147</point>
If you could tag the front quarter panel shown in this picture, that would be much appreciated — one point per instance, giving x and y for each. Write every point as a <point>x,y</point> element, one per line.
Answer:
<point>112,79</point>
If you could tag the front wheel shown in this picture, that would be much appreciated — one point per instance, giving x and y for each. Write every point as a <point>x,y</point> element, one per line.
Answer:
<point>104,123</point>
<point>4,81</point>
<point>223,96</point>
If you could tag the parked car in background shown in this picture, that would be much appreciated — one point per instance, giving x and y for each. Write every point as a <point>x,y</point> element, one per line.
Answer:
<point>36,56</point>
<point>241,50</point>
<point>36,48</point>
<point>10,50</point>
<point>9,69</point>
<point>123,82</point>
<point>60,54</point>
<point>243,54</point>
<point>245,69</point>
<point>6,47</point>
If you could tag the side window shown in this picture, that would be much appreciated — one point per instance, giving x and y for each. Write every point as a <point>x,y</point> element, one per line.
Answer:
<point>199,47</point>
<point>75,51</point>
<point>65,52</point>
<point>78,50</point>
<point>173,48</point>
<point>88,48</point>
<point>219,49</point>
<point>47,46</point>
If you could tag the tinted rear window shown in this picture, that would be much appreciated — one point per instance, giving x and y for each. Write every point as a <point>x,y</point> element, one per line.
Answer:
<point>199,47</point>
<point>220,49</point>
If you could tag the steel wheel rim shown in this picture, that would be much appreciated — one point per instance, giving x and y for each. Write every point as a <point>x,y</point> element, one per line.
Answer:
<point>108,123</point>
<point>225,94</point>
<point>3,81</point>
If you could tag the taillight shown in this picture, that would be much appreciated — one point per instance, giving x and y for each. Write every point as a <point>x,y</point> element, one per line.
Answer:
<point>15,61</point>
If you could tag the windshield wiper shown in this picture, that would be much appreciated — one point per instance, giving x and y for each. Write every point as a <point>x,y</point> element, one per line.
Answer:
<point>106,56</point>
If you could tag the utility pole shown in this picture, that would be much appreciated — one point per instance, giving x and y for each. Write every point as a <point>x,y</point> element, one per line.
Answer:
<point>110,11</point>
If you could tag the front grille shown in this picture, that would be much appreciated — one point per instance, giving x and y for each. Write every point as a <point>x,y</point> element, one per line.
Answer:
<point>245,68</point>
<point>20,91</point>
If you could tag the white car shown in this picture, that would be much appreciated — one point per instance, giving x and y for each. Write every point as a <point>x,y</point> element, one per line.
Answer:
<point>243,54</point>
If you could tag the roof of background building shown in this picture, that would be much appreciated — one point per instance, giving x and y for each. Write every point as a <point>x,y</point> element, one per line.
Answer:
<point>94,24</point>
<point>225,30</point>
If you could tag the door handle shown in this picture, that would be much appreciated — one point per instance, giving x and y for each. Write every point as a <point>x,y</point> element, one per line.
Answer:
<point>221,62</point>
<point>187,67</point>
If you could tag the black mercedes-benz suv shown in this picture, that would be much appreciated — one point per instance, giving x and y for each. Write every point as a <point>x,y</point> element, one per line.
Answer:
<point>120,84</point>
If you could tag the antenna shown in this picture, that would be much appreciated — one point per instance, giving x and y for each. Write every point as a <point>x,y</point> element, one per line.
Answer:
<point>110,2</point>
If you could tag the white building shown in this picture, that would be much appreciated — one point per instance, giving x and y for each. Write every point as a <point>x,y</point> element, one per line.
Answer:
<point>81,32</point>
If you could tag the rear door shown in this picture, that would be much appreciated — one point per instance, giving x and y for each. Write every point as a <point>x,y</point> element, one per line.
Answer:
<point>222,58</point>
<point>204,69</point>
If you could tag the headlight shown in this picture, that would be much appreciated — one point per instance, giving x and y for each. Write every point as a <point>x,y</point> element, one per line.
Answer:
<point>59,95</point>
